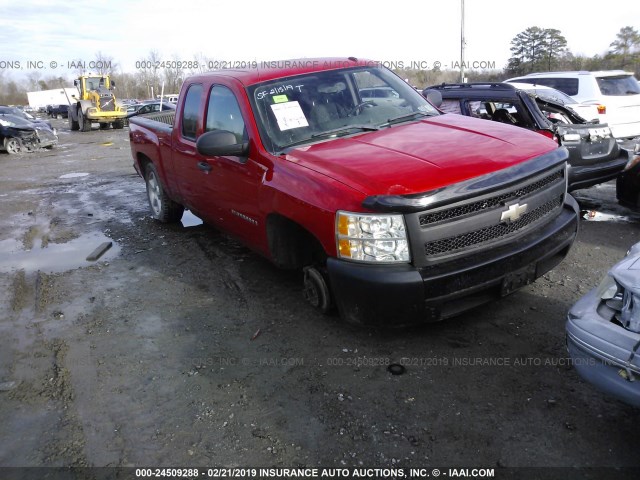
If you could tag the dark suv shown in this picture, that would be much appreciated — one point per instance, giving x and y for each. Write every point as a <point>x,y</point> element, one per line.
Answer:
<point>61,111</point>
<point>594,155</point>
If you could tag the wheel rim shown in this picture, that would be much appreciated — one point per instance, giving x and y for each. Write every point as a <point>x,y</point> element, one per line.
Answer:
<point>311,293</point>
<point>153,191</point>
<point>13,146</point>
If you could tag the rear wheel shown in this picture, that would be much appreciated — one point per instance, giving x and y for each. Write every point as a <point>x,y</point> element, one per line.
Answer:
<point>13,145</point>
<point>118,124</point>
<point>83,122</point>
<point>162,207</point>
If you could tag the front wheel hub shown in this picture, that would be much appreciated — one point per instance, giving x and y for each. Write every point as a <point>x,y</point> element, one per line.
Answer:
<point>316,291</point>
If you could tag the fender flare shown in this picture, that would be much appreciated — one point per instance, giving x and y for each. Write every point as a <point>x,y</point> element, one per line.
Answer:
<point>82,104</point>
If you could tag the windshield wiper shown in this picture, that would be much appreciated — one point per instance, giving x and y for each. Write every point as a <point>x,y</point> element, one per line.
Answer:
<point>404,117</point>
<point>346,129</point>
<point>328,133</point>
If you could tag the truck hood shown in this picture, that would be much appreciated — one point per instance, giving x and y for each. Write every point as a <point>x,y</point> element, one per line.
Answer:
<point>423,155</point>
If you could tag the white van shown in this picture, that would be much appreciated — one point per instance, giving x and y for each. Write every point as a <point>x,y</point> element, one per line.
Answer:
<point>615,93</point>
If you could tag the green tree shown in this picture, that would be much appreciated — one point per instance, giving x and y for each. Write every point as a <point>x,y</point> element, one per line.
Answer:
<point>555,45</point>
<point>624,49</point>
<point>536,49</point>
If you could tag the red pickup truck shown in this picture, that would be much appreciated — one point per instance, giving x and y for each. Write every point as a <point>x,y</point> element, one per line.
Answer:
<point>396,212</point>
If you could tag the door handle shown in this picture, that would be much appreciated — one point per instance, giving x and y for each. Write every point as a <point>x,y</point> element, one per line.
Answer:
<point>204,166</point>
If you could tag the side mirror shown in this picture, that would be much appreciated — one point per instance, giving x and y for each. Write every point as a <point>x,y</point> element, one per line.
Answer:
<point>433,96</point>
<point>113,84</point>
<point>221,143</point>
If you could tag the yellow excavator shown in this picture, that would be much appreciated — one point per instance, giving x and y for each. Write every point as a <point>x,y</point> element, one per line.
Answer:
<point>95,103</point>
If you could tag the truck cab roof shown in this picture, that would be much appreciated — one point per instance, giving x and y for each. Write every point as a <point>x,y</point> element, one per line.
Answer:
<point>261,71</point>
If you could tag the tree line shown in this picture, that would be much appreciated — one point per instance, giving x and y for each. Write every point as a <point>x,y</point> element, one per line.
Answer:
<point>532,50</point>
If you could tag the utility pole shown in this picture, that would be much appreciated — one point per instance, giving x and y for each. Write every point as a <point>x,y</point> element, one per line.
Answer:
<point>462,42</point>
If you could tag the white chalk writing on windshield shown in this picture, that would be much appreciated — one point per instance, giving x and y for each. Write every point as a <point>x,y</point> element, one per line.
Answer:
<point>278,90</point>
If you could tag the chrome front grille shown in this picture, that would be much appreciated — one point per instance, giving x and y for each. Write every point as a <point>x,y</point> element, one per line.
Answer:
<point>491,202</point>
<point>487,212</point>
<point>495,232</point>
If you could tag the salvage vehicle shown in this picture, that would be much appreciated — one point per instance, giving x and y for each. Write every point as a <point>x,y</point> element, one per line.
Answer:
<point>95,103</point>
<point>603,331</point>
<point>594,154</point>
<point>396,213</point>
<point>18,135</point>
<point>585,110</point>
<point>615,93</point>
<point>5,110</point>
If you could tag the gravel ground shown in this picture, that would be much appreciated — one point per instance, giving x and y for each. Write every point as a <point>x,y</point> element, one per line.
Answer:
<point>180,347</point>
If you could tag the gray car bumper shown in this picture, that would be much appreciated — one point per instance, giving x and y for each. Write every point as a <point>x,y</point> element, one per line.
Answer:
<point>603,352</point>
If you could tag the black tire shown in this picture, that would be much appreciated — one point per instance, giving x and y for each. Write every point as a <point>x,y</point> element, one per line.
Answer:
<point>118,124</point>
<point>73,124</point>
<point>316,290</point>
<point>83,123</point>
<point>163,208</point>
<point>104,126</point>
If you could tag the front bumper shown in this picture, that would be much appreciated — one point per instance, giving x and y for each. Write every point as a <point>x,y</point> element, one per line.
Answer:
<point>397,295</point>
<point>108,116</point>
<point>603,352</point>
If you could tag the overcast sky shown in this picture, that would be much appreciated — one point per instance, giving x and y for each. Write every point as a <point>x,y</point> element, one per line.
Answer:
<point>398,31</point>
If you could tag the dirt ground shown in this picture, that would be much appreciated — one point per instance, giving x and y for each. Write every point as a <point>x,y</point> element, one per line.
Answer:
<point>180,347</point>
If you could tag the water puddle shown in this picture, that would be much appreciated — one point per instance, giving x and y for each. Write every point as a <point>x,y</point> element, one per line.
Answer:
<point>190,220</point>
<point>55,257</point>
<point>73,175</point>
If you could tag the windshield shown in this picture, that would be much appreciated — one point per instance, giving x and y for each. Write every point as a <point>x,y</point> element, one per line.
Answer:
<point>94,83</point>
<point>14,121</point>
<point>312,107</point>
<point>619,86</point>
<point>552,95</point>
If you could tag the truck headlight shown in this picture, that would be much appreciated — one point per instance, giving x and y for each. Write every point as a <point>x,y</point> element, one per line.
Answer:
<point>372,237</point>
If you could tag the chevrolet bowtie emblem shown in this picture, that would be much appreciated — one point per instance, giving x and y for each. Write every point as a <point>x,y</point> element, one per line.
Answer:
<point>513,213</point>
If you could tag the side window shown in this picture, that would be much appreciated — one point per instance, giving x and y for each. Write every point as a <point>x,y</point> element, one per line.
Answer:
<point>190,111</point>
<point>223,112</point>
<point>566,85</point>
<point>451,106</point>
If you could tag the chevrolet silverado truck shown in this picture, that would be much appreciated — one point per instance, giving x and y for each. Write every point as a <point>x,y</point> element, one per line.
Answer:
<point>396,213</point>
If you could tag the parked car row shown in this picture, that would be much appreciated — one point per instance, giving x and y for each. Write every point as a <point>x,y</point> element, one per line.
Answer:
<point>148,107</point>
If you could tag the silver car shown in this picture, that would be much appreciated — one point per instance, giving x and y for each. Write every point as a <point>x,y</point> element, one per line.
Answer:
<point>603,331</point>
